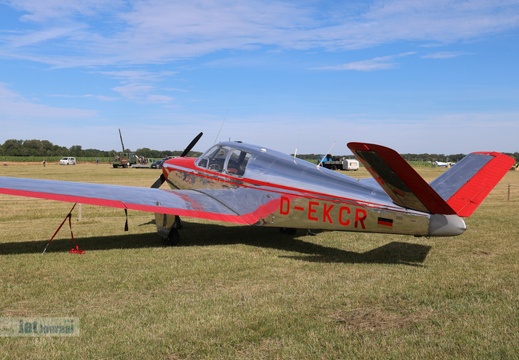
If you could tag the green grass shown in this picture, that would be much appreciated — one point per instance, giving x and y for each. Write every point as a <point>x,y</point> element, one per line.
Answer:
<point>244,292</point>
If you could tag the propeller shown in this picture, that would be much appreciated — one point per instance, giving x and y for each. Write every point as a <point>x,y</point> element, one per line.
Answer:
<point>191,145</point>
<point>161,179</point>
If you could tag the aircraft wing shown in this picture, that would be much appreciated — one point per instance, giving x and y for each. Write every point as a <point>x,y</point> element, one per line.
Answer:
<point>243,206</point>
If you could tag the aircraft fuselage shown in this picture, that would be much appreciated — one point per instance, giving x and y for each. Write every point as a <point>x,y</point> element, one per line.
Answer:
<point>294,193</point>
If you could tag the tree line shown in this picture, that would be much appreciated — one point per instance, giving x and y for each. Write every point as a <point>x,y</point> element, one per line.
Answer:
<point>45,148</point>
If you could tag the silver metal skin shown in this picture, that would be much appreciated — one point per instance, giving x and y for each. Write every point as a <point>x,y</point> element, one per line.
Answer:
<point>446,225</point>
<point>297,194</point>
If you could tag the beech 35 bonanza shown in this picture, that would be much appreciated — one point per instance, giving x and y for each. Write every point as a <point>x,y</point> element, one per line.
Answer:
<point>251,185</point>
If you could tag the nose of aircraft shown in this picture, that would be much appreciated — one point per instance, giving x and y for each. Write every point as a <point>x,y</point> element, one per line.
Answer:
<point>446,225</point>
<point>163,177</point>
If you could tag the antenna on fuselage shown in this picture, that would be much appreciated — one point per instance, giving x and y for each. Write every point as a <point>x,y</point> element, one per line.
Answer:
<point>221,126</point>
<point>328,152</point>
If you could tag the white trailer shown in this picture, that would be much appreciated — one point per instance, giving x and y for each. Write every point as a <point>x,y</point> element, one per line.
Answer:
<point>338,163</point>
<point>350,165</point>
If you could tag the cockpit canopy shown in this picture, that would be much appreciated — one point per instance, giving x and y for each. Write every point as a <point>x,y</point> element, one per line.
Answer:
<point>226,159</point>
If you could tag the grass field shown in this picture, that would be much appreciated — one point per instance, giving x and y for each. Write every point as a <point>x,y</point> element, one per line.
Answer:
<point>253,293</point>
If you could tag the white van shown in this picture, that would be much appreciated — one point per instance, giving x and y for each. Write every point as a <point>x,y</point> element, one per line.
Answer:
<point>68,161</point>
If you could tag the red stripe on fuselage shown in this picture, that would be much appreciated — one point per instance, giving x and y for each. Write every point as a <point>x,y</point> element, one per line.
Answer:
<point>188,165</point>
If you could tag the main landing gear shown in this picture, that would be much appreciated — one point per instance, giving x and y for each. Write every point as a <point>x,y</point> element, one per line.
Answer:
<point>173,237</point>
<point>168,227</point>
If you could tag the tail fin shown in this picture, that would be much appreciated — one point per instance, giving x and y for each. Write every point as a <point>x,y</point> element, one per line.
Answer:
<point>400,181</point>
<point>468,183</point>
<point>459,191</point>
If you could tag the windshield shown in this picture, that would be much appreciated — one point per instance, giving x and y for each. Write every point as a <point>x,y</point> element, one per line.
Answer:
<point>224,159</point>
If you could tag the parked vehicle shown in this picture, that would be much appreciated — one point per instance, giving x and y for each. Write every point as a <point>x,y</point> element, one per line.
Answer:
<point>68,161</point>
<point>338,163</point>
<point>157,164</point>
<point>127,159</point>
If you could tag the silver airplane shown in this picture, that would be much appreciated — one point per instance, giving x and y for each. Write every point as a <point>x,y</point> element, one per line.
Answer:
<point>252,185</point>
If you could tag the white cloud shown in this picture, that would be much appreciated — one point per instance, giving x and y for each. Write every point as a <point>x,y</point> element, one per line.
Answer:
<point>130,76</point>
<point>442,20</point>
<point>99,32</point>
<point>140,85</point>
<point>159,99</point>
<point>444,55</point>
<point>85,96</point>
<point>44,10</point>
<point>133,91</point>
<point>42,36</point>
<point>14,106</point>
<point>378,63</point>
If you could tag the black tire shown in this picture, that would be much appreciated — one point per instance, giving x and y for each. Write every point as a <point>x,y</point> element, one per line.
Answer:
<point>173,238</point>
<point>178,223</point>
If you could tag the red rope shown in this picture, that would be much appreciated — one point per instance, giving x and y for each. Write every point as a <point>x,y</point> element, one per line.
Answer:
<point>75,249</point>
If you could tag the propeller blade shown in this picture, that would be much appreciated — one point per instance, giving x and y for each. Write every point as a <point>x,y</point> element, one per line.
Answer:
<point>191,145</point>
<point>159,182</point>
<point>161,179</point>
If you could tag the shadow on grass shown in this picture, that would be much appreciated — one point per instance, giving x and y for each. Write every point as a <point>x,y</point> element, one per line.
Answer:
<point>194,234</point>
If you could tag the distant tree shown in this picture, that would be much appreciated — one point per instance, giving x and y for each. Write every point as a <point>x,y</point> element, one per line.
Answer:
<point>75,150</point>
<point>148,153</point>
<point>12,147</point>
<point>515,155</point>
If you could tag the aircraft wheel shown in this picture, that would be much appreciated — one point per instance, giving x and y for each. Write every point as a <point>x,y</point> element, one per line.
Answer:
<point>173,238</point>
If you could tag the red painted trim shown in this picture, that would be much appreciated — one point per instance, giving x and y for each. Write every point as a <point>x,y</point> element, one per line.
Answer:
<point>467,199</point>
<point>245,219</point>
<point>422,191</point>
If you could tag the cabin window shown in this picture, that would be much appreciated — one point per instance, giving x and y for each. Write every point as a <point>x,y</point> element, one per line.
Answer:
<point>237,162</point>
<point>214,159</point>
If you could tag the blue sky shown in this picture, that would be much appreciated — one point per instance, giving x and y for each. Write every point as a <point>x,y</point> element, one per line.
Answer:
<point>418,76</point>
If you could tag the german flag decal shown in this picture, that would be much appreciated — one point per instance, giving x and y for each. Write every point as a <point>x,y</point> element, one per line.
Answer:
<point>385,222</point>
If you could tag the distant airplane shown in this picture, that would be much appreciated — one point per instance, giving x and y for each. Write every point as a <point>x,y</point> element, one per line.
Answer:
<point>443,164</point>
<point>251,185</point>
